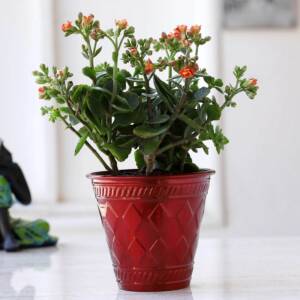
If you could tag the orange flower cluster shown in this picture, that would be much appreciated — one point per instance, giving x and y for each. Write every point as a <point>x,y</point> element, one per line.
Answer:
<point>66,26</point>
<point>188,71</point>
<point>181,31</point>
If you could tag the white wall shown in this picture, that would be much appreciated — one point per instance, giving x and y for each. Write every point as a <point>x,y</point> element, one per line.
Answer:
<point>262,160</point>
<point>25,28</point>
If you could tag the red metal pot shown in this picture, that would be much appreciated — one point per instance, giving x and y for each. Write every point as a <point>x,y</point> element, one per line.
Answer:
<point>152,226</point>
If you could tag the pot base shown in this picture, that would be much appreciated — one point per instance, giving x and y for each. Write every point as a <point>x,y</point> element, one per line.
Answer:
<point>154,288</point>
<point>145,280</point>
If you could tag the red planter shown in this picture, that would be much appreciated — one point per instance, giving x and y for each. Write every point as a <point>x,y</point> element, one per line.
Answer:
<point>152,226</point>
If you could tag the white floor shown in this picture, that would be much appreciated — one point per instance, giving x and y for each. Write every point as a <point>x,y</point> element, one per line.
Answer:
<point>80,268</point>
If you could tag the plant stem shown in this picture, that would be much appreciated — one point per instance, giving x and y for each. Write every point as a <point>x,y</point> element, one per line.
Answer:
<point>172,145</point>
<point>94,151</point>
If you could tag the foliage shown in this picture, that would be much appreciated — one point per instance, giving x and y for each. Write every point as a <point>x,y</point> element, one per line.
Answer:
<point>122,111</point>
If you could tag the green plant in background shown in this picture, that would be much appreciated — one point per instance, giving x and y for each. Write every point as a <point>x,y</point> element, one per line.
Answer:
<point>122,110</point>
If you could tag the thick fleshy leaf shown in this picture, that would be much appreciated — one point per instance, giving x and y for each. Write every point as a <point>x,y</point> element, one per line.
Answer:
<point>150,145</point>
<point>132,100</point>
<point>213,112</point>
<point>164,91</point>
<point>120,153</point>
<point>201,93</point>
<point>79,92</point>
<point>159,119</point>
<point>89,72</point>
<point>97,102</point>
<point>147,131</point>
<point>81,142</point>
<point>139,159</point>
<point>190,122</point>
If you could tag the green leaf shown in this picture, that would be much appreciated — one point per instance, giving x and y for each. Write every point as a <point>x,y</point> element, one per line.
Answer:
<point>123,119</point>
<point>139,159</point>
<point>97,103</point>
<point>159,119</point>
<point>147,131</point>
<point>164,91</point>
<point>219,139</point>
<point>89,72</point>
<point>213,112</point>
<point>209,80</point>
<point>202,93</point>
<point>132,100</point>
<point>190,122</point>
<point>81,142</point>
<point>239,71</point>
<point>120,153</point>
<point>79,92</point>
<point>218,82</point>
<point>126,141</point>
<point>150,145</point>
<point>190,167</point>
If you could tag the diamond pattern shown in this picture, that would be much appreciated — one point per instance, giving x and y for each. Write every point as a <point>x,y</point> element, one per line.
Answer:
<point>182,248</point>
<point>152,229</point>
<point>186,213</point>
<point>157,216</point>
<point>131,217</point>
<point>136,251</point>
<point>111,218</point>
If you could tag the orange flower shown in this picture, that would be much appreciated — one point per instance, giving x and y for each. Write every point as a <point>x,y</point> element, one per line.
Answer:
<point>122,24</point>
<point>133,51</point>
<point>181,28</point>
<point>180,31</point>
<point>195,29</point>
<point>87,20</point>
<point>170,35</point>
<point>253,81</point>
<point>149,67</point>
<point>177,34</point>
<point>66,26</point>
<point>188,71</point>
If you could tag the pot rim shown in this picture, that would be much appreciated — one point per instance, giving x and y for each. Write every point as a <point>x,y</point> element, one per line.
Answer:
<point>106,175</point>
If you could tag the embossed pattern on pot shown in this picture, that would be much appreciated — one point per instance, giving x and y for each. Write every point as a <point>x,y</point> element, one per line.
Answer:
<point>152,226</point>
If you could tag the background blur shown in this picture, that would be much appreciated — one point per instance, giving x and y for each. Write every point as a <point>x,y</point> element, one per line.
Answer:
<point>255,190</point>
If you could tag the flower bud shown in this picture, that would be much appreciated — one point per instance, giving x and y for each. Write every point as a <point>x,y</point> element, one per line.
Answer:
<point>41,91</point>
<point>164,36</point>
<point>133,51</point>
<point>66,26</point>
<point>87,20</point>
<point>122,24</point>
<point>253,81</point>
<point>181,28</point>
<point>195,29</point>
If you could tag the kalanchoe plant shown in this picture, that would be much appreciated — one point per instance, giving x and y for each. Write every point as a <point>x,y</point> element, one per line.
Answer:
<point>135,110</point>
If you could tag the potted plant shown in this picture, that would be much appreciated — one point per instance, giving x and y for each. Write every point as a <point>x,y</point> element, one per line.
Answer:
<point>162,107</point>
